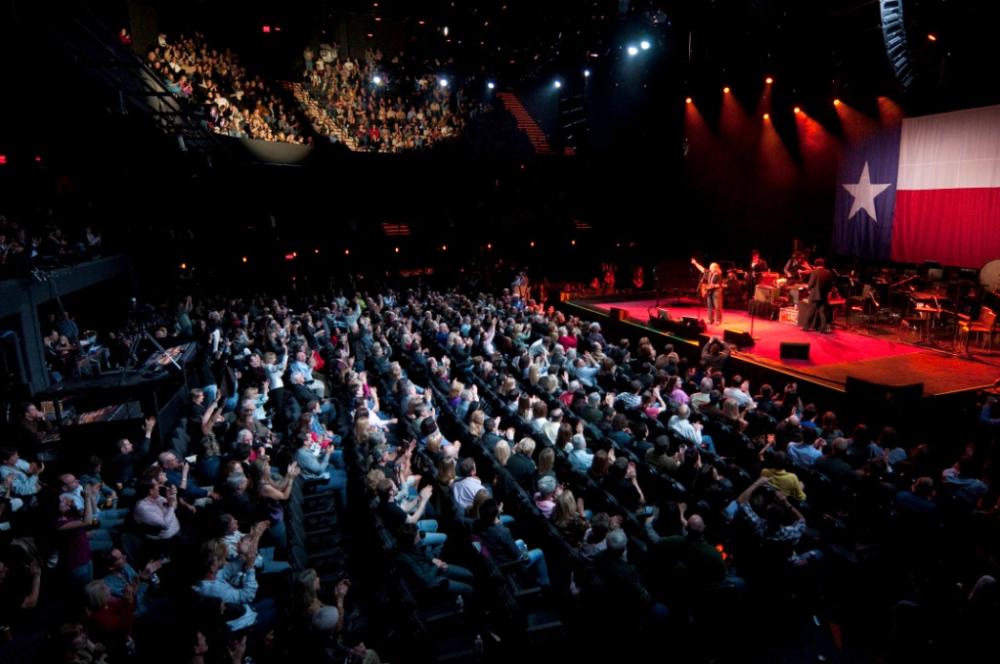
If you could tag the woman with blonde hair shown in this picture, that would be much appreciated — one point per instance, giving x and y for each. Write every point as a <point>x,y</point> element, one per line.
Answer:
<point>546,463</point>
<point>314,614</point>
<point>272,496</point>
<point>569,518</point>
<point>477,423</point>
<point>502,452</point>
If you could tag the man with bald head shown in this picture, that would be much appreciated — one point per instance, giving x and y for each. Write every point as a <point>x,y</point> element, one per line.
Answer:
<point>696,564</point>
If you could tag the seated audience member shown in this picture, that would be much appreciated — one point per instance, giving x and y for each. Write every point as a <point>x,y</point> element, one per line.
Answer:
<point>502,546</point>
<point>427,572</point>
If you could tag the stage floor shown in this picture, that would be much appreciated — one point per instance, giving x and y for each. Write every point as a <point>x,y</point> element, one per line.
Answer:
<point>833,357</point>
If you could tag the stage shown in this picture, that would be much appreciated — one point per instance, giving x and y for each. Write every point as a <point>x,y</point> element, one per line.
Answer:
<point>832,357</point>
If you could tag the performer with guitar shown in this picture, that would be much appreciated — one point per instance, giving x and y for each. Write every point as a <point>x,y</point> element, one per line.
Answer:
<point>710,288</point>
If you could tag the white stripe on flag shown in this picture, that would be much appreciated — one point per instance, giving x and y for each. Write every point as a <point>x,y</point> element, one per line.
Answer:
<point>959,150</point>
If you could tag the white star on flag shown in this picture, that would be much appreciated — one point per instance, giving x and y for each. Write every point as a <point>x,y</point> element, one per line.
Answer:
<point>864,193</point>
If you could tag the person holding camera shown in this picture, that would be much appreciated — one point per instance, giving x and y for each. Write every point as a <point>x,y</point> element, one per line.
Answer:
<point>157,512</point>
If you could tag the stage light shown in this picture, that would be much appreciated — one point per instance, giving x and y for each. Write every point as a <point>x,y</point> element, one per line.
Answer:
<point>184,266</point>
<point>931,36</point>
<point>421,22</point>
<point>796,110</point>
<point>266,29</point>
<point>725,90</point>
<point>377,80</point>
<point>767,116</point>
<point>557,84</point>
<point>644,45</point>
<point>244,259</point>
<point>688,100</point>
<point>378,19</point>
<point>586,73</point>
<point>573,242</point>
<point>370,35</point>
<point>532,244</point>
<point>769,80</point>
<point>836,102</point>
<point>396,250</point>
<point>347,252</point>
<point>489,246</point>
<point>38,158</point>
<point>633,51</point>
<point>316,251</point>
<point>3,159</point>
<point>491,85</point>
<point>443,82</point>
<point>444,247</point>
<point>445,31</point>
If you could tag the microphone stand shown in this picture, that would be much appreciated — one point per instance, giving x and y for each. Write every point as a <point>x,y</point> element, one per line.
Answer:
<point>753,287</point>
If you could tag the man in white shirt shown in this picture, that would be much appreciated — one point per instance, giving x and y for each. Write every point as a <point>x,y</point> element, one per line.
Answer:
<point>464,490</point>
<point>740,393</point>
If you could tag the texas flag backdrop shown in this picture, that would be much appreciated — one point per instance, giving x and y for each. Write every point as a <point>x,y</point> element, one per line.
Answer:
<point>927,189</point>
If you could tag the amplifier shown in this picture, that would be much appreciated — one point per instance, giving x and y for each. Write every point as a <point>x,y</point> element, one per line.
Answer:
<point>765,293</point>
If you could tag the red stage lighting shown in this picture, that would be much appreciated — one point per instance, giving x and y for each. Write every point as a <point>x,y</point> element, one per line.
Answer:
<point>266,29</point>
<point>725,90</point>
<point>769,80</point>
<point>688,100</point>
<point>767,116</point>
<point>836,102</point>
<point>3,159</point>
<point>797,110</point>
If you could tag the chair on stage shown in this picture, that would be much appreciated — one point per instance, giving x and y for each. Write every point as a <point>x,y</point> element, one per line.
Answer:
<point>838,305</point>
<point>985,326</point>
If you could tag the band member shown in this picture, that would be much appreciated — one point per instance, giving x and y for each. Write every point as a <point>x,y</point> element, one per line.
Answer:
<point>757,264</point>
<point>797,267</point>
<point>522,286</point>
<point>820,285</point>
<point>711,289</point>
<point>638,277</point>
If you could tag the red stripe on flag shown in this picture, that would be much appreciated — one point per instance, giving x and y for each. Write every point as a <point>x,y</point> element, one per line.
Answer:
<point>951,226</point>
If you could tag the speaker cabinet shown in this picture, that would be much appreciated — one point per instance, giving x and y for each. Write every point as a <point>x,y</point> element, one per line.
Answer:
<point>618,313</point>
<point>738,338</point>
<point>790,350</point>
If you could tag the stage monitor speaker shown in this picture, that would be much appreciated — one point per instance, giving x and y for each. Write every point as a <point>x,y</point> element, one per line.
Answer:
<point>618,313</point>
<point>661,324</point>
<point>662,314</point>
<point>738,338</point>
<point>791,350</point>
